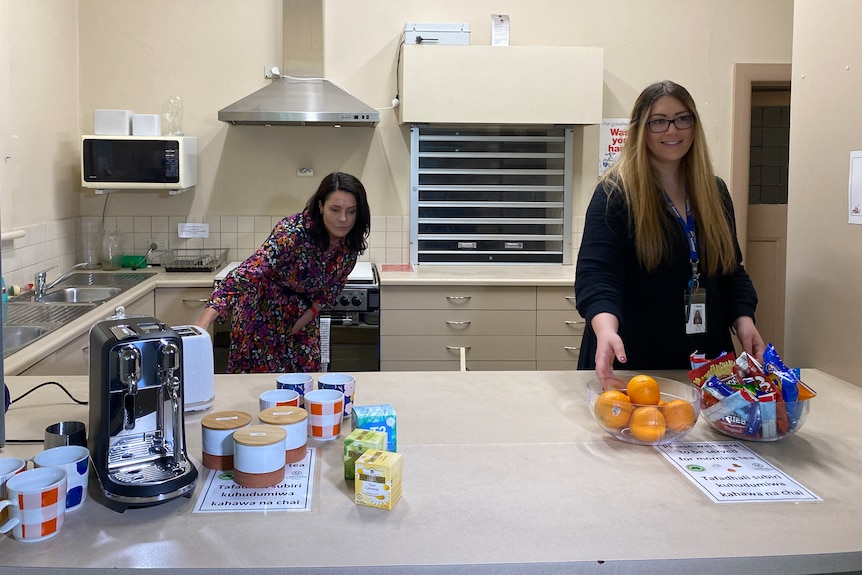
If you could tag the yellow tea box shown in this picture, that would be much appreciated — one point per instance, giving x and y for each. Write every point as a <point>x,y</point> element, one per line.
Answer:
<point>358,442</point>
<point>378,479</point>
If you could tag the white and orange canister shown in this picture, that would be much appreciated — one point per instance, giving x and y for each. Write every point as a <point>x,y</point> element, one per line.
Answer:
<point>259,455</point>
<point>293,421</point>
<point>217,433</point>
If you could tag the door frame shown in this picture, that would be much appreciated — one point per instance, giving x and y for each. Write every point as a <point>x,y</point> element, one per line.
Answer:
<point>772,236</point>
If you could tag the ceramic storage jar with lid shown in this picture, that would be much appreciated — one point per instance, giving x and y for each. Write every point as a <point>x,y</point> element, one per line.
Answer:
<point>217,434</point>
<point>293,421</point>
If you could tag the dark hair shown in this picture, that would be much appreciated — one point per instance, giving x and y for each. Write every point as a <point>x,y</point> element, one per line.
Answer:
<point>339,181</point>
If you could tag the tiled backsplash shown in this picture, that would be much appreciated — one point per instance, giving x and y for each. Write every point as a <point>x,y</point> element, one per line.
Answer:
<point>60,243</point>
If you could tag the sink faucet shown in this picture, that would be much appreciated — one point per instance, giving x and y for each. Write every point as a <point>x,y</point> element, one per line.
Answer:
<point>40,285</point>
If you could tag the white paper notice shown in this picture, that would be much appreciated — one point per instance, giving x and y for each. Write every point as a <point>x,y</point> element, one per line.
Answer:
<point>221,494</point>
<point>499,29</point>
<point>729,472</point>
<point>612,136</point>
<point>193,230</point>
<point>855,188</point>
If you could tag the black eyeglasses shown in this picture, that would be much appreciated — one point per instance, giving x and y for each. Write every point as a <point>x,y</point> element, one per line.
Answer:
<point>662,125</point>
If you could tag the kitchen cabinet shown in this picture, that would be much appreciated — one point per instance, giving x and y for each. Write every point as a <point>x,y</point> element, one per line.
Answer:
<point>474,84</point>
<point>559,328</point>
<point>424,328</point>
<point>74,357</point>
<point>180,305</point>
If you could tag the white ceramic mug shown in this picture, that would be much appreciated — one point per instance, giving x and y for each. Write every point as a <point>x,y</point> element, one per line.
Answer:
<point>279,398</point>
<point>9,467</point>
<point>325,411</point>
<point>37,504</point>
<point>343,382</point>
<point>75,461</point>
<point>301,383</point>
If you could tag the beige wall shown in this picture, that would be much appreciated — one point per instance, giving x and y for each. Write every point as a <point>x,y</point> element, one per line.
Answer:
<point>824,275</point>
<point>134,55</point>
<point>38,111</point>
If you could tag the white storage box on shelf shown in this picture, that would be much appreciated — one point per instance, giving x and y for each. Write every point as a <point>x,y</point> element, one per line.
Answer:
<point>112,122</point>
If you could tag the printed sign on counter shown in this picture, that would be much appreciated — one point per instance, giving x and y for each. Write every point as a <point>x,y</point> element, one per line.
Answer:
<point>221,494</point>
<point>729,472</point>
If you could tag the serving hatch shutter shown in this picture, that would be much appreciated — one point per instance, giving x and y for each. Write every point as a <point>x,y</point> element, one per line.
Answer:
<point>490,194</point>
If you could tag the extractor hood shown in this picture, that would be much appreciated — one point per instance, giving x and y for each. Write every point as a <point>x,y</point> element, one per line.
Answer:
<point>292,101</point>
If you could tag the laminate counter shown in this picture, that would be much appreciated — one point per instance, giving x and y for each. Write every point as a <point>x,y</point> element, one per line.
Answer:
<point>504,473</point>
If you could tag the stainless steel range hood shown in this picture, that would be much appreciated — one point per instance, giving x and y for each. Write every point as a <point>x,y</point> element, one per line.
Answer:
<point>290,101</point>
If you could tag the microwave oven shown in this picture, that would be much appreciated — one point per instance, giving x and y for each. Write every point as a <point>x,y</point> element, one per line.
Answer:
<point>139,162</point>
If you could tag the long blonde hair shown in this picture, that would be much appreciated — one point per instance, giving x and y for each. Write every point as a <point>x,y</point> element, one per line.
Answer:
<point>634,176</point>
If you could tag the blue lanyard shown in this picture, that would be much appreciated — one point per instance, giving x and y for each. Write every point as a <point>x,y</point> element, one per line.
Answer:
<point>691,236</point>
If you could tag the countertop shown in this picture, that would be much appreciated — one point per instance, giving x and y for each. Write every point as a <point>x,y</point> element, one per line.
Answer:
<point>504,473</point>
<point>527,275</point>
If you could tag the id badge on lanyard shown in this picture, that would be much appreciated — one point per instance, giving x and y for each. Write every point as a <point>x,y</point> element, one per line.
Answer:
<point>695,296</point>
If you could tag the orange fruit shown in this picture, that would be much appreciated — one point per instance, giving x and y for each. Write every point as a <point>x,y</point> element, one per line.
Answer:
<point>613,408</point>
<point>643,390</point>
<point>647,424</point>
<point>679,415</point>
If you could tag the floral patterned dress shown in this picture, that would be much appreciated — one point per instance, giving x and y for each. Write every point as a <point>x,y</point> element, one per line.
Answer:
<point>270,290</point>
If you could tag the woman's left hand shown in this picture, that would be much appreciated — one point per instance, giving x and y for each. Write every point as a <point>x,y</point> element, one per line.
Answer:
<point>306,318</point>
<point>749,337</point>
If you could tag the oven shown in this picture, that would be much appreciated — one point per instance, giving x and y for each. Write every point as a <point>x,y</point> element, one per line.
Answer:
<point>349,330</point>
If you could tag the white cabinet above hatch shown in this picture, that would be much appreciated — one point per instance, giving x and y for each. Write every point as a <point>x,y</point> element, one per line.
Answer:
<point>501,84</point>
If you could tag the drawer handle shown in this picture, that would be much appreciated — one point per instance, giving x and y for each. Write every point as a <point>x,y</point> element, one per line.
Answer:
<point>570,298</point>
<point>195,300</point>
<point>571,348</point>
<point>457,347</point>
<point>574,321</point>
<point>458,298</point>
<point>458,322</point>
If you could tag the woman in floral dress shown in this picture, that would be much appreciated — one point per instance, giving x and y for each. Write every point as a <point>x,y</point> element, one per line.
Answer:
<point>276,294</point>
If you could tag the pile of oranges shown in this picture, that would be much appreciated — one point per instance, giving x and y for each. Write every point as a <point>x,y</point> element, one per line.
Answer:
<point>641,409</point>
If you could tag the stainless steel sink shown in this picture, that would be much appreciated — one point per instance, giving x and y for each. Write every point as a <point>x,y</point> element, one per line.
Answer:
<point>17,336</point>
<point>80,294</point>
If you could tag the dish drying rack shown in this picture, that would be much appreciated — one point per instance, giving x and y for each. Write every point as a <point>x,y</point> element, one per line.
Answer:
<point>193,260</point>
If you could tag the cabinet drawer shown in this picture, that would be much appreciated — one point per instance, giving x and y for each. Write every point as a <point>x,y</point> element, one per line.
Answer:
<point>457,322</point>
<point>559,323</point>
<point>445,348</point>
<point>455,366</point>
<point>561,297</point>
<point>557,348</point>
<point>458,297</point>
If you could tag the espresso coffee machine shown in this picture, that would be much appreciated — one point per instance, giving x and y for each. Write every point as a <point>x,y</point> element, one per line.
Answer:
<point>137,434</point>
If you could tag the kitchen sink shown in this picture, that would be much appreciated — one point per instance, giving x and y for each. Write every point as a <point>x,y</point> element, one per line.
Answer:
<point>17,336</point>
<point>80,294</point>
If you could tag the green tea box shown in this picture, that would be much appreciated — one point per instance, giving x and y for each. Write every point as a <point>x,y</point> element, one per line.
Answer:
<point>358,442</point>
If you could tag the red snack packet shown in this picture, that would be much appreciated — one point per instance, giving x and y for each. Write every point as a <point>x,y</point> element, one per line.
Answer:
<point>723,367</point>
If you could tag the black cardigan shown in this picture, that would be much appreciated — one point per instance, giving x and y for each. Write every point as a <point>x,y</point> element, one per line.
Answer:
<point>651,305</point>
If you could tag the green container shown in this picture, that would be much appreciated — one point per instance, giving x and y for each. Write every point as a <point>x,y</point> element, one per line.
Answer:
<point>134,262</point>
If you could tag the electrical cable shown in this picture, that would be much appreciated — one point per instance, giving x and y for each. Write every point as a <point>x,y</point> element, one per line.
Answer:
<point>60,385</point>
<point>26,393</point>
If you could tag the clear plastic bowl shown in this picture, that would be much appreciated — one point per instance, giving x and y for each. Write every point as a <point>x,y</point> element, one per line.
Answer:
<point>678,419</point>
<point>747,422</point>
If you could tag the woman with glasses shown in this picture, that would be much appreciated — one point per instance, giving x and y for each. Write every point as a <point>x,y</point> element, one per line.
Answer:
<point>659,273</point>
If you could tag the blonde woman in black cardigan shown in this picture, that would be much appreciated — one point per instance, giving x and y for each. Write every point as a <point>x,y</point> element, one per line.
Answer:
<point>659,249</point>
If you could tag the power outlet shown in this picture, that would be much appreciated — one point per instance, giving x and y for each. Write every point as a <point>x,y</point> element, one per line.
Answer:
<point>161,245</point>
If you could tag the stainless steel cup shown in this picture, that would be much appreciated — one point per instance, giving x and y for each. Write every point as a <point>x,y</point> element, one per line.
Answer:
<point>65,433</point>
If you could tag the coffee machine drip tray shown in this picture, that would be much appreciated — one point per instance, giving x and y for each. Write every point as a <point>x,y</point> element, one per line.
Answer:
<point>143,461</point>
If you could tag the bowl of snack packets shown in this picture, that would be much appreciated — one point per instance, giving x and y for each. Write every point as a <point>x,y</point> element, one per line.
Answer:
<point>745,400</point>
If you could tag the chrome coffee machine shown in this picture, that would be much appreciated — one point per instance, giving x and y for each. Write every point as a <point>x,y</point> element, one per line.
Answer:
<point>137,434</point>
